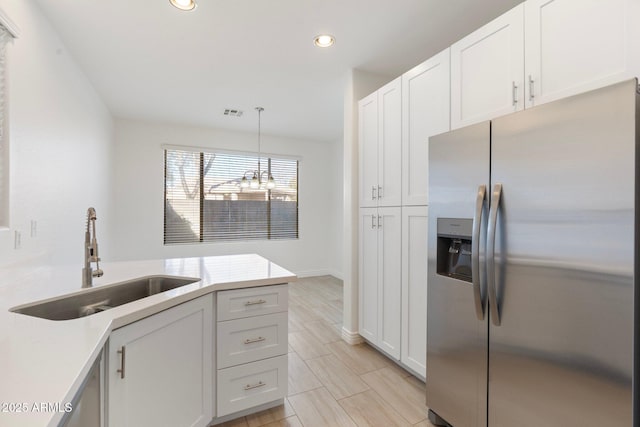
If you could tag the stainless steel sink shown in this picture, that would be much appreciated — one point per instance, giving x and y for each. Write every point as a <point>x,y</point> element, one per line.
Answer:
<point>95,300</point>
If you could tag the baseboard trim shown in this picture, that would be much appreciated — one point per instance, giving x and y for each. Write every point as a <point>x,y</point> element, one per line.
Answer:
<point>312,273</point>
<point>335,273</point>
<point>351,338</point>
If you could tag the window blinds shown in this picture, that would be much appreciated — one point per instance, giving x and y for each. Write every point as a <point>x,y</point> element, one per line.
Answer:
<point>204,201</point>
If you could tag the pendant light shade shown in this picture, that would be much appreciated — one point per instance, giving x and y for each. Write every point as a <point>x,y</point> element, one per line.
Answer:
<point>260,179</point>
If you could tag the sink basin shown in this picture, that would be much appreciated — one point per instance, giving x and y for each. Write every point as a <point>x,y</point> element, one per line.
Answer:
<point>95,300</point>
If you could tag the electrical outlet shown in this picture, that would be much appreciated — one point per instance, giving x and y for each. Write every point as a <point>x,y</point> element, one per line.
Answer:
<point>34,228</point>
<point>17,242</point>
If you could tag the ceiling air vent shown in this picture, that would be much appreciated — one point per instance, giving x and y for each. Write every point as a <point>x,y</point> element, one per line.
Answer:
<point>232,112</point>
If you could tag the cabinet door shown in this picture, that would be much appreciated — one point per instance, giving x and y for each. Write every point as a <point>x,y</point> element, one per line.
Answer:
<point>368,147</point>
<point>573,46</point>
<point>425,112</point>
<point>160,368</point>
<point>487,71</point>
<point>389,280</point>
<point>368,268</point>
<point>390,144</point>
<point>414,288</point>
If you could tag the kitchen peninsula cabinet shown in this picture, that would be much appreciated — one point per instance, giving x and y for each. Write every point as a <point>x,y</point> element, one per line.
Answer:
<point>380,266</point>
<point>380,134</point>
<point>252,345</point>
<point>160,368</point>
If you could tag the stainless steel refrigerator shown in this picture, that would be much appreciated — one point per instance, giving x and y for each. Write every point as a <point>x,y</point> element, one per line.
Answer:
<point>533,261</point>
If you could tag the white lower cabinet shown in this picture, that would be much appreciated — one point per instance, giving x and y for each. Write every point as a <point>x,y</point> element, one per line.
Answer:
<point>380,268</point>
<point>253,338</point>
<point>414,288</point>
<point>252,345</point>
<point>160,368</point>
<point>251,384</point>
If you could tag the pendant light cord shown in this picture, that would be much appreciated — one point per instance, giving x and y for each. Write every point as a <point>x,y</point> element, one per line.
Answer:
<point>260,110</point>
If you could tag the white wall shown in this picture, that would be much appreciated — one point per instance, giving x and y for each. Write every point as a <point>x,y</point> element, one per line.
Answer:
<point>336,252</point>
<point>60,142</point>
<point>139,195</point>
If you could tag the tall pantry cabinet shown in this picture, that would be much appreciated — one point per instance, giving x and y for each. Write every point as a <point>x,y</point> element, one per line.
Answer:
<point>392,232</point>
<point>380,131</point>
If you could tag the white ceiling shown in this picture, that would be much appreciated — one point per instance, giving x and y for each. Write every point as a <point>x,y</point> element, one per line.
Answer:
<point>151,61</point>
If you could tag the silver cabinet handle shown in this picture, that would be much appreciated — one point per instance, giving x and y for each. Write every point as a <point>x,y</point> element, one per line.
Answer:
<point>514,94</point>
<point>252,340</point>
<point>379,221</point>
<point>256,302</point>
<point>121,352</point>
<point>491,254</point>
<point>373,192</point>
<point>252,386</point>
<point>478,294</point>
<point>373,221</point>
<point>531,87</point>
<point>379,192</point>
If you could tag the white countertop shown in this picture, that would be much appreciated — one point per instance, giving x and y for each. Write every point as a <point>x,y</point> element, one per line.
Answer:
<point>46,361</point>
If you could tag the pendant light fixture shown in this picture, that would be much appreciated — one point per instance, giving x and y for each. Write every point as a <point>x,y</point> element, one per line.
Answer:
<point>260,179</point>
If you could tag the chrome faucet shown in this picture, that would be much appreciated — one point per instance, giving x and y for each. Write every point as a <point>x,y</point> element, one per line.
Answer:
<point>90,251</point>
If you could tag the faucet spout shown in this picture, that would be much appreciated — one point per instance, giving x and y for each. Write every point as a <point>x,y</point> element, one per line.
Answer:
<point>90,251</point>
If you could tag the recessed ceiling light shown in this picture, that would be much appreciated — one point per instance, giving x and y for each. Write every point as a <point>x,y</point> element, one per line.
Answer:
<point>184,4</point>
<point>324,40</point>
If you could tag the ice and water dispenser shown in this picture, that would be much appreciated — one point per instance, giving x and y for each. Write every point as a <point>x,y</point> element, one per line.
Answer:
<point>454,248</point>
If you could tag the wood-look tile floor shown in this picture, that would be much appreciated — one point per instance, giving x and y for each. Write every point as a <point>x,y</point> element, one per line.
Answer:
<point>332,383</point>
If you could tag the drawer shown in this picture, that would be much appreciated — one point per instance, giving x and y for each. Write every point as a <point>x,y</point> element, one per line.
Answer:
<point>239,303</point>
<point>245,386</point>
<point>250,339</point>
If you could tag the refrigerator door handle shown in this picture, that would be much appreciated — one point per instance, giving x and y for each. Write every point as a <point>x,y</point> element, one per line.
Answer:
<point>491,252</point>
<point>478,296</point>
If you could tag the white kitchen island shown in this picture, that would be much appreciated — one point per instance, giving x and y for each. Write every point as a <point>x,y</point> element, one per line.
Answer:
<point>45,362</point>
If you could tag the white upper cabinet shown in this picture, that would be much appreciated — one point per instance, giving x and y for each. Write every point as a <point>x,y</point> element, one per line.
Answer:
<point>380,134</point>
<point>425,112</point>
<point>390,143</point>
<point>573,46</point>
<point>487,71</point>
<point>368,144</point>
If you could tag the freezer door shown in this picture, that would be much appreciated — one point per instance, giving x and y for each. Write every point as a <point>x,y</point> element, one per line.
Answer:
<point>561,351</point>
<point>456,309</point>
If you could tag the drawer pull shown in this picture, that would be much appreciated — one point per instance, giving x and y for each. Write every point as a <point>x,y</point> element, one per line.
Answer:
<point>257,302</point>
<point>121,352</point>
<point>252,340</point>
<point>250,387</point>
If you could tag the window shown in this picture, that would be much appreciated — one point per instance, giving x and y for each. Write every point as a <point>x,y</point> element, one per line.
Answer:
<point>205,202</point>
